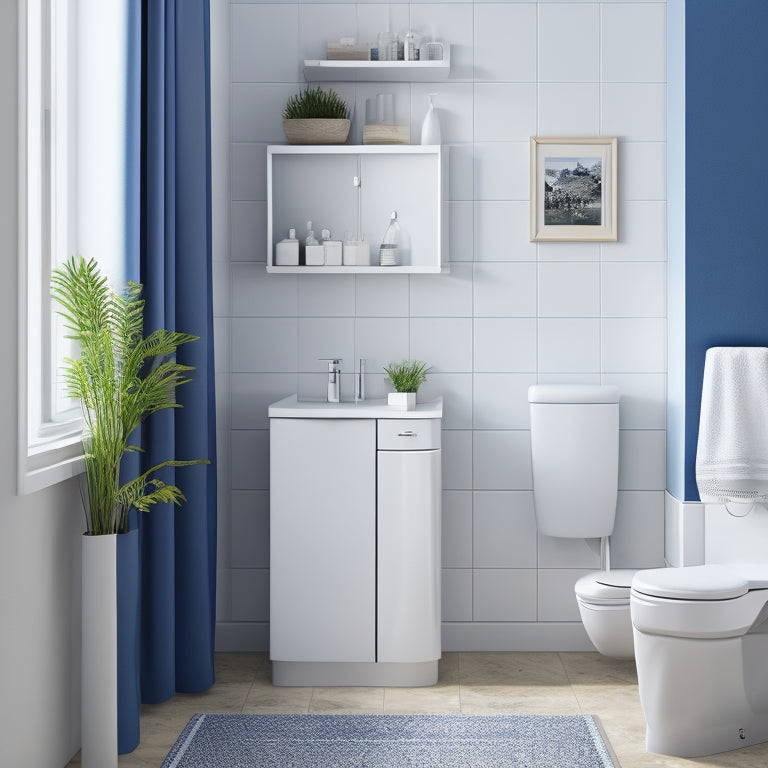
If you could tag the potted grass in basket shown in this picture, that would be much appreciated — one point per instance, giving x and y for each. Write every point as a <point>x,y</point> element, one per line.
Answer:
<point>406,377</point>
<point>315,116</point>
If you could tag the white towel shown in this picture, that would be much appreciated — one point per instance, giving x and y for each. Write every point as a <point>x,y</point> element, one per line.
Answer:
<point>732,451</point>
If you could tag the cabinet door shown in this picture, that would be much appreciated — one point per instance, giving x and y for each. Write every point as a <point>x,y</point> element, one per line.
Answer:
<point>409,556</point>
<point>322,539</point>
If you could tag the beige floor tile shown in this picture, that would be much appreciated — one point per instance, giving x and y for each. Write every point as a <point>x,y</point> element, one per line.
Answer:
<point>537,683</point>
<point>519,699</point>
<point>347,700</point>
<point>265,697</point>
<point>594,669</point>
<point>440,698</point>
<point>238,667</point>
<point>448,669</point>
<point>512,669</point>
<point>222,697</point>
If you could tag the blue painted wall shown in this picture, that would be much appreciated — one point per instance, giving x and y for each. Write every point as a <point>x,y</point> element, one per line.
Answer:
<point>726,190</point>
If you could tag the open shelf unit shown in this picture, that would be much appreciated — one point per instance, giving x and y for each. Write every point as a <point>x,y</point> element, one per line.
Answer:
<point>317,183</point>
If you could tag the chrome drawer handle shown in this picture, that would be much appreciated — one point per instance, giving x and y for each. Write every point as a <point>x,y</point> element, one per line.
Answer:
<point>407,433</point>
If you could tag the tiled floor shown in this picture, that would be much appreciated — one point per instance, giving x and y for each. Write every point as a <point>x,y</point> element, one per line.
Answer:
<point>541,683</point>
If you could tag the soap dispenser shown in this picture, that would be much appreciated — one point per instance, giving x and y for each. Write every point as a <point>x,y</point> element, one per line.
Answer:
<point>430,128</point>
<point>334,378</point>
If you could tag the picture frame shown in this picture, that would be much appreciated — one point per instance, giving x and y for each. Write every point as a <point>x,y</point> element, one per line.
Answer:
<point>574,189</point>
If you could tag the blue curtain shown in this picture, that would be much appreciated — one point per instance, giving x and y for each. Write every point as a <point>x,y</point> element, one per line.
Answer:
<point>170,90</point>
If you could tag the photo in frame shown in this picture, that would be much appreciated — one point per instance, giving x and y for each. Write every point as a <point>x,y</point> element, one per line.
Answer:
<point>573,188</point>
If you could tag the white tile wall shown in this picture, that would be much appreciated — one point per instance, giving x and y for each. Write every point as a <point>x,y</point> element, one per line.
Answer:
<point>569,109</point>
<point>504,594</point>
<point>500,400</point>
<point>505,344</point>
<point>569,42</point>
<point>504,530</point>
<point>457,529</point>
<point>510,312</point>
<point>556,600</point>
<point>501,232</point>
<point>570,289</point>
<point>505,42</point>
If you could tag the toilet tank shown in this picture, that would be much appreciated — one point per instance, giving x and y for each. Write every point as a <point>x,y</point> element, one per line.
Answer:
<point>575,458</point>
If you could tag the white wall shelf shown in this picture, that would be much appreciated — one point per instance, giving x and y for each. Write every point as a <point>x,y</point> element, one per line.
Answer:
<point>323,70</point>
<point>317,183</point>
<point>351,270</point>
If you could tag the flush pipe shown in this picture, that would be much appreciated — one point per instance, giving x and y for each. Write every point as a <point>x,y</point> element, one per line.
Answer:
<point>605,553</point>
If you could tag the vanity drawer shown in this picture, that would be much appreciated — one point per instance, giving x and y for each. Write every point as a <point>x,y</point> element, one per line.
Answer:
<point>408,434</point>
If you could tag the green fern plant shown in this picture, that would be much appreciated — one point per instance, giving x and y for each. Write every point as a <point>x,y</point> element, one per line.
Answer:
<point>408,375</point>
<point>314,103</point>
<point>120,378</point>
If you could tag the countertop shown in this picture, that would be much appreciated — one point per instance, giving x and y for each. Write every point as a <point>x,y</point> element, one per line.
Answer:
<point>292,407</point>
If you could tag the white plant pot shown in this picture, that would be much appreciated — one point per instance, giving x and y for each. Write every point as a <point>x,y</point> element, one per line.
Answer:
<point>402,401</point>
<point>99,653</point>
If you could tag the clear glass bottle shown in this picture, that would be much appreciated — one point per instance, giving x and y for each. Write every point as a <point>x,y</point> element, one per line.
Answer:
<point>389,250</point>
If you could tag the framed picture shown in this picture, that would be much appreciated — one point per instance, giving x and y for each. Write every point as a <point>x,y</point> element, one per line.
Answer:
<point>573,188</point>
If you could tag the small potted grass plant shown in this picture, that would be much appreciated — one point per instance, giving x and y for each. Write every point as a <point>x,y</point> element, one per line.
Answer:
<point>406,377</point>
<point>315,116</point>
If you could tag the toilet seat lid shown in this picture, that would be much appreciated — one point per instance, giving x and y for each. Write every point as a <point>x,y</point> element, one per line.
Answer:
<point>697,582</point>
<point>605,585</point>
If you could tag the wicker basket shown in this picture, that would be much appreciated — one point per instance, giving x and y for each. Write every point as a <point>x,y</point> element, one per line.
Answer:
<point>316,131</point>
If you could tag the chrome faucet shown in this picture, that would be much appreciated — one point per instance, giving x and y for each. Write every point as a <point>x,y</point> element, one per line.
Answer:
<point>334,377</point>
<point>360,389</point>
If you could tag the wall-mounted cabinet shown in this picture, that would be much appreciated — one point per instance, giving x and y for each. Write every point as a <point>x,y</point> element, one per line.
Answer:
<point>351,190</point>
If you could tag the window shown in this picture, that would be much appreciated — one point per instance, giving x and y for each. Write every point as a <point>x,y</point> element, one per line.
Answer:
<point>73,79</point>
<point>49,422</point>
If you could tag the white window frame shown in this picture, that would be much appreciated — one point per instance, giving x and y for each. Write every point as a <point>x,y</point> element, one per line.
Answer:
<point>49,427</point>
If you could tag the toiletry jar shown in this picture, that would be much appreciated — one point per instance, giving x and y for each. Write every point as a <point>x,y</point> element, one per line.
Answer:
<point>287,253</point>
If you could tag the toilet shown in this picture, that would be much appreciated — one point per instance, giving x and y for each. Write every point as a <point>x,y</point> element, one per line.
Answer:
<point>701,648</point>
<point>575,465</point>
<point>603,600</point>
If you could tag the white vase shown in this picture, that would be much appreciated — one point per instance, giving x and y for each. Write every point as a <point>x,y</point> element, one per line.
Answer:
<point>401,401</point>
<point>430,128</point>
<point>99,653</point>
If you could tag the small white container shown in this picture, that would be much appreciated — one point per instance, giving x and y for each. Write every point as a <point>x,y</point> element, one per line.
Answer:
<point>363,253</point>
<point>287,251</point>
<point>333,253</point>
<point>401,401</point>
<point>349,253</point>
<point>314,255</point>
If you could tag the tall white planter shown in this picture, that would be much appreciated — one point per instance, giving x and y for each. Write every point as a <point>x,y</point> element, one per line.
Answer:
<point>99,648</point>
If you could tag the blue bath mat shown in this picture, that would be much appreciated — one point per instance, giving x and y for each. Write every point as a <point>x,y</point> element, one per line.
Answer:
<point>390,741</point>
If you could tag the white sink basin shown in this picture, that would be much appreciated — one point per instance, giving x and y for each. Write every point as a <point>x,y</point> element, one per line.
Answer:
<point>292,407</point>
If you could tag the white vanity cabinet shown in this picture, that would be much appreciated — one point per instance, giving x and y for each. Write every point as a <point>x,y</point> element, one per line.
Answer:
<point>322,539</point>
<point>408,539</point>
<point>354,543</point>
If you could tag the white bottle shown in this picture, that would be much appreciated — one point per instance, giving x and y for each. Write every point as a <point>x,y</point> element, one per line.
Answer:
<point>389,250</point>
<point>430,128</point>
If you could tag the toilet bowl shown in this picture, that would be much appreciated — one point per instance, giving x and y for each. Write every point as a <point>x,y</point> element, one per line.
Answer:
<point>701,649</point>
<point>603,600</point>
<point>575,470</point>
